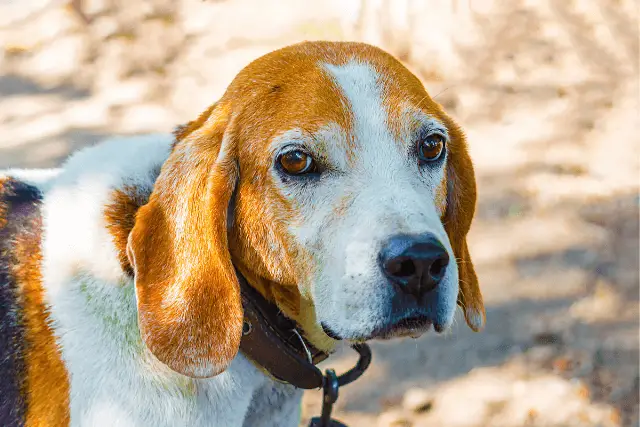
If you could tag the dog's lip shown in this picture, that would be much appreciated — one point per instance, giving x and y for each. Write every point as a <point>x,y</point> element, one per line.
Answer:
<point>330,332</point>
<point>411,326</point>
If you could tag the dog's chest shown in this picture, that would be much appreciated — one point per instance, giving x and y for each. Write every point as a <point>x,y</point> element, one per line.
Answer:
<point>114,380</point>
<point>239,397</point>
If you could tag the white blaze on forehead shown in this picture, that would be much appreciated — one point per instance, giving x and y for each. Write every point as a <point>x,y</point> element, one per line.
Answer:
<point>362,87</point>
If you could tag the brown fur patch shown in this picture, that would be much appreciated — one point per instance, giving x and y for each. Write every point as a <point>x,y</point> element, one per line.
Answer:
<point>441,197</point>
<point>46,383</point>
<point>461,205</point>
<point>120,217</point>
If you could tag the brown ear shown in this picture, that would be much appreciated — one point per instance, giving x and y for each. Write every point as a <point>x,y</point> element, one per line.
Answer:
<point>189,306</point>
<point>461,204</point>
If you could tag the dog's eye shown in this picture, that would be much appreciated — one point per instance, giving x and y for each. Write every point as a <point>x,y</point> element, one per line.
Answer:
<point>297,162</point>
<point>431,147</point>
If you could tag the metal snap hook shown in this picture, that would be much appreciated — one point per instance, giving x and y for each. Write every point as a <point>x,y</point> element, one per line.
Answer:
<point>332,383</point>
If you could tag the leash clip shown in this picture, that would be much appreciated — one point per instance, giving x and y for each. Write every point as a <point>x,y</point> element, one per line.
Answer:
<point>332,384</point>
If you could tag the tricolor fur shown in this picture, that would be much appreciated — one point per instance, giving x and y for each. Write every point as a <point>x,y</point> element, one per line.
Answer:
<point>119,304</point>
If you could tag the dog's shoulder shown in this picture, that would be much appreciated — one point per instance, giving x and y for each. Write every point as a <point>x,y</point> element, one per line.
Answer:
<point>19,232</point>
<point>87,207</point>
<point>52,220</point>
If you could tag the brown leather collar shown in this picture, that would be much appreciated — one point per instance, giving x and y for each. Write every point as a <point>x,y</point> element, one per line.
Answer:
<point>273,341</point>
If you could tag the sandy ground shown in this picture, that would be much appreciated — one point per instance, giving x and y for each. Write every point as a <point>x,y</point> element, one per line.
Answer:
<point>548,94</point>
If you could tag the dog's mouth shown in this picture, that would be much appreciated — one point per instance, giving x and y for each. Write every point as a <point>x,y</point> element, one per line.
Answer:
<point>413,326</point>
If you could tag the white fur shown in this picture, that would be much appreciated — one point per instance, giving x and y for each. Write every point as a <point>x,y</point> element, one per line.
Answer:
<point>40,178</point>
<point>114,379</point>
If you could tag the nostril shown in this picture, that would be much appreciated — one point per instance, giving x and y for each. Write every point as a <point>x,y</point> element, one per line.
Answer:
<point>438,268</point>
<point>402,268</point>
<point>407,268</point>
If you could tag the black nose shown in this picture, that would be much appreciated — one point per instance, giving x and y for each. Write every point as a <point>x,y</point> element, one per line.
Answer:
<point>417,263</point>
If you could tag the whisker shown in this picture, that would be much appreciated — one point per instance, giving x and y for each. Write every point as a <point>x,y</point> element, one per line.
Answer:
<point>419,104</point>
<point>441,92</point>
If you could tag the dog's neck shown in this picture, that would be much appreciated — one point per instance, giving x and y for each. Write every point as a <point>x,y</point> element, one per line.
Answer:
<point>294,305</point>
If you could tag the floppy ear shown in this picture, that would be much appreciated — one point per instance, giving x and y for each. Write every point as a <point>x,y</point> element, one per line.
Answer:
<point>189,307</point>
<point>461,204</point>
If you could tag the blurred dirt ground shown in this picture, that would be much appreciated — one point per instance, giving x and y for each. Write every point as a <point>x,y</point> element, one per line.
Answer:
<point>548,93</point>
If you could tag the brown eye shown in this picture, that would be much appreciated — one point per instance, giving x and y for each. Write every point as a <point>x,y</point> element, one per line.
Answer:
<point>430,148</point>
<point>296,162</point>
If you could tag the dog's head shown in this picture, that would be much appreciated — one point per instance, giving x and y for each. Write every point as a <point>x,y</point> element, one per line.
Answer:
<point>328,176</point>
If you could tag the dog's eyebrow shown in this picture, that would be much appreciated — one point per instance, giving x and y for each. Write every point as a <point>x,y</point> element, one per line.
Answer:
<point>295,136</point>
<point>418,124</point>
<point>315,142</point>
<point>431,125</point>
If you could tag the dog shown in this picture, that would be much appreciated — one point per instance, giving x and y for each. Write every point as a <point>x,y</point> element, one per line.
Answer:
<point>326,176</point>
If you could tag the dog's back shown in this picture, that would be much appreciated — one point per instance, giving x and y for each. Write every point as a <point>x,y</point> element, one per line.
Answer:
<point>19,230</point>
